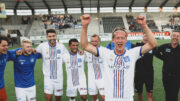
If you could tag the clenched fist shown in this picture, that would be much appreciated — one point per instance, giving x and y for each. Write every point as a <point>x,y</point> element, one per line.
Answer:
<point>141,20</point>
<point>85,20</point>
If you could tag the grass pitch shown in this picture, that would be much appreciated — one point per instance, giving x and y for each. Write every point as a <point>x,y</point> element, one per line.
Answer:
<point>158,92</point>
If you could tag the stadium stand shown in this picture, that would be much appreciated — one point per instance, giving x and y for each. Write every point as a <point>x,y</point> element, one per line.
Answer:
<point>134,26</point>
<point>109,23</point>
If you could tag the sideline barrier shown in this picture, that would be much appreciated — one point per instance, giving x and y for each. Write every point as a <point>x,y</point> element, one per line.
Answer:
<point>104,37</point>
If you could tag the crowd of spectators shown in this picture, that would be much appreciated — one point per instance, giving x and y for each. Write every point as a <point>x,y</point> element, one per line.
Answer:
<point>135,27</point>
<point>174,21</point>
<point>58,21</point>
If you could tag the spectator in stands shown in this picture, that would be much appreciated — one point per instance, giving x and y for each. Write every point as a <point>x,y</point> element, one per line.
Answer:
<point>59,21</point>
<point>170,54</point>
<point>144,72</point>
<point>111,45</point>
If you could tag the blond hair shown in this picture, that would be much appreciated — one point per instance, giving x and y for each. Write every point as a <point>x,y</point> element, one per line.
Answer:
<point>26,41</point>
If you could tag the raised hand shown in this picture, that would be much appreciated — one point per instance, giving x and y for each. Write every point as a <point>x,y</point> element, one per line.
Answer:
<point>85,20</point>
<point>141,20</point>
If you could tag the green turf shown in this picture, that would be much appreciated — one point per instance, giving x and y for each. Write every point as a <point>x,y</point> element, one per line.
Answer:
<point>158,92</point>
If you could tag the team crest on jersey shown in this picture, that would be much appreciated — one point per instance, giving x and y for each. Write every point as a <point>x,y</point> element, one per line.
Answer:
<point>126,59</point>
<point>58,51</point>
<point>150,52</point>
<point>168,50</point>
<point>32,60</point>
<point>79,60</point>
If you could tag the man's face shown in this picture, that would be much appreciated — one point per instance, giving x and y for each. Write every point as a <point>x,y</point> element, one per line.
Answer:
<point>95,41</point>
<point>51,37</point>
<point>74,47</point>
<point>120,40</point>
<point>27,48</point>
<point>3,47</point>
<point>175,37</point>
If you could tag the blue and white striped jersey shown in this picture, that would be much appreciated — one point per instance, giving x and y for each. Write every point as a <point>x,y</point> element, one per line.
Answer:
<point>74,68</point>
<point>119,72</point>
<point>52,59</point>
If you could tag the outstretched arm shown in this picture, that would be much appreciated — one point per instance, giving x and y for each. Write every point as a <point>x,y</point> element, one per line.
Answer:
<point>85,20</point>
<point>152,43</point>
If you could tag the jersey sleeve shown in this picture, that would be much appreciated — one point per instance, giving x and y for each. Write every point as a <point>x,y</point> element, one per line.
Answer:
<point>102,51</point>
<point>137,52</point>
<point>12,54</point>
<point>64,50</point>
<point>38,56</point>
<point>158,52</point>
<point>39,49</point>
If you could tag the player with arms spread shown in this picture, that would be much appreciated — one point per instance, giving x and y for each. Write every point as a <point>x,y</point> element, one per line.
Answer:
<point>119,63</point>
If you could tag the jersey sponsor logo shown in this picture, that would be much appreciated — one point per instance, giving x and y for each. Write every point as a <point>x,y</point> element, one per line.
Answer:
<point>121,63</point>
<point>22,61</point>
<point>58,51</point>
<point>55,58</point>
<point>79,60</point>
<point>168,50</point>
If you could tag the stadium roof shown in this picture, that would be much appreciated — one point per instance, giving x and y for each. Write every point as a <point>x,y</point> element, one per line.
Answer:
<point>53,4</point>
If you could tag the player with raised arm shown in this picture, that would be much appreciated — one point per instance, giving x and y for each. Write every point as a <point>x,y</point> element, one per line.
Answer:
<point>119,63</point>
<point>76,79</point>
<point>95,71</point>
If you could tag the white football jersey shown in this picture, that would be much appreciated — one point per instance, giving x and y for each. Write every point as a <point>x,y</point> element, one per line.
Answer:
<point>119,72</point>
<point>95,66</point>
<point>75,69</point>
<point>52,59</point>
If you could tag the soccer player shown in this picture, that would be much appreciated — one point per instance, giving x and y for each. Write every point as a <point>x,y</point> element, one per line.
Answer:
<point>144,72</point>
<point>5,55</point>
<point>76,79</point>
<point>52,52</point>
<point>24,72</point>
<point>95,71</point>
<point>170,54</point>
<point>119,63</point>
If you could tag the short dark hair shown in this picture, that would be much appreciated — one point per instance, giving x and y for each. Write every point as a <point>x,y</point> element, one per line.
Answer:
<point>95,35</point>
<point>116,29</point>
<point>50,31</point>
<point>3,38</point>
<point>73,40</point>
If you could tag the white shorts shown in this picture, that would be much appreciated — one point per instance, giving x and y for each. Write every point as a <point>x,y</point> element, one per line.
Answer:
<point>95,85</point>
<point>53,86</point>
<point>116,99</point>
<point>72,92</point>
<point>26,94</point>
